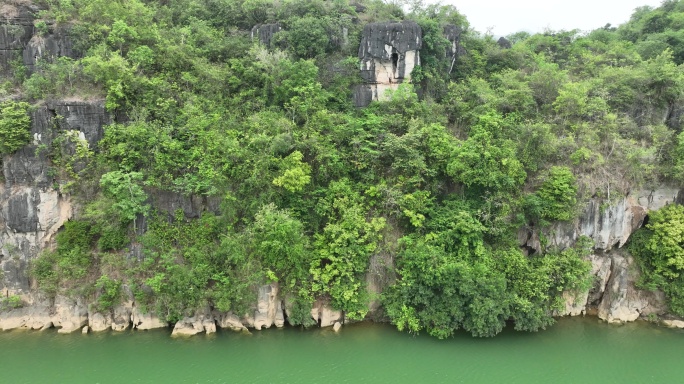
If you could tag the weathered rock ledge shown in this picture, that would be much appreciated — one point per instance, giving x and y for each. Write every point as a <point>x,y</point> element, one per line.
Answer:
<point>72,315</point>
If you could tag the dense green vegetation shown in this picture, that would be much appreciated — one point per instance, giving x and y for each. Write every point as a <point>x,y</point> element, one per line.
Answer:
<point>15,126</point>
<point>659,250</point>
<point>301,188</point>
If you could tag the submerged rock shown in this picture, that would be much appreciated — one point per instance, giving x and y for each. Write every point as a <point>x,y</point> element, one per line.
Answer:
<point>673,323</point>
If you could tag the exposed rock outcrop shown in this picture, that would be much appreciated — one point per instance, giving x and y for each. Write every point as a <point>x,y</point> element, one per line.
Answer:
<point>455,49</point>
<point>146,320</point>
<point>16,29</point>
<point>69,315</point>
<point>31,210</point>
<point>99,322</point>
<point>388,54</point>
<point>201,322</point>
<point>622,301</point>
<point>324,315</point>
<point>264,32</point>
<point>47,48</point>
<point>609,226</point>
<point>268,305</point>
<point>576,302</point>
<point>229,321</point>
<point>613,295</point>
<point>673,323</point>
<point>504,43</point>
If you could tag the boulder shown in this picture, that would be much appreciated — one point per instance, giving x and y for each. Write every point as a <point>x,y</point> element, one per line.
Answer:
<point>189,326</point>
<point>121,319</point>
<point>144,321</point>
<point>673,323</point>
<point>99,322</point>
<point>229,321</point>
<point>324,315</point>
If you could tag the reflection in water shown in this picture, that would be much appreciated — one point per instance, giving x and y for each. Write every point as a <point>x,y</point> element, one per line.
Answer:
<point>574,350</point>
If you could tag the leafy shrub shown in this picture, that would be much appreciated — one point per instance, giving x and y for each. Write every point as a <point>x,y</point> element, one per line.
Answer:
<point>109,293</point>
<point>10,302</point>
<point>556,198</point>
<point>15,126</point>
<point>659,251</point>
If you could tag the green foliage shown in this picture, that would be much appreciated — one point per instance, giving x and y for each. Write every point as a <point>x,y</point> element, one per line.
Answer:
<point>289,183</point>
<point>666,244</point>
<point>71,261</point>
<point>466,285</point>
<point>109,293</point>
<point>296,173</point>
<point>343,249</point>
<point>556,197</point>
<point>280,242</point>
<point>11,302</point>
<point>127,193</point>
<point>485,161</point>
<point>658,251</point>
<point>15,126</point>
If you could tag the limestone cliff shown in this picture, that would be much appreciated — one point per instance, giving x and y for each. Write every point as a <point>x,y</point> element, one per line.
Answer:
<point>33,206</point>
<point>613,295</point>
<point>388,54</point>
<point>16,30</point>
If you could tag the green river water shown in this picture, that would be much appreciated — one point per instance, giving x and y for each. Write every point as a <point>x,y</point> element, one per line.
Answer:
<point>577,350</point>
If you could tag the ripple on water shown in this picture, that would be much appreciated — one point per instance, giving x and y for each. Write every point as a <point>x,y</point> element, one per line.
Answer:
<point>574,350</point>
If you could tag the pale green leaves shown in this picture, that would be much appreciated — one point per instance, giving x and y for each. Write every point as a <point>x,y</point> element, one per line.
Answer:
<point>15,126</point>
<point>126,191</point>
<point>296,174</point>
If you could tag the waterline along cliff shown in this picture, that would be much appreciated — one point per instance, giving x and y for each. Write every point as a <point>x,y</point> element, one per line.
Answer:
<point>204,164</point>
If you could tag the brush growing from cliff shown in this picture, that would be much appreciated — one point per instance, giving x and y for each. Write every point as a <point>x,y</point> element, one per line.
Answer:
<point>236,162</point>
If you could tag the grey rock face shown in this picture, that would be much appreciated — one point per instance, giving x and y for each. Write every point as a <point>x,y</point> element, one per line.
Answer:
<point>455,49</point>
<point>608,227</point>
<point>16,29</point>
<point>388,53</point>
<point>21,212</point>
<point>88,118</point>
<point>393,46</point>
<point>31,211</point>
<point>621,301</point>
<point>264,32</point>
<point>504,43</point>
<point>47,49</point>
<point>29,165</point>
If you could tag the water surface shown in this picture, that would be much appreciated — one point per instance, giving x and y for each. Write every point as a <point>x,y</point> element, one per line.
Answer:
<point>577,350</point>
